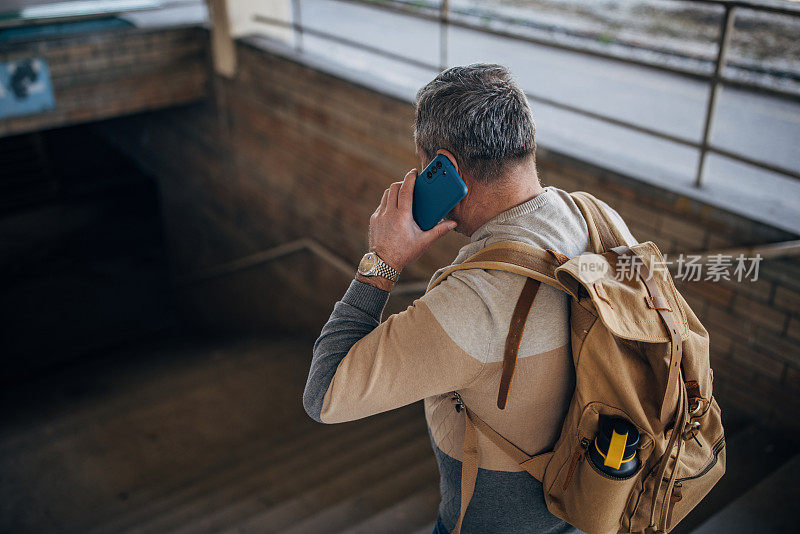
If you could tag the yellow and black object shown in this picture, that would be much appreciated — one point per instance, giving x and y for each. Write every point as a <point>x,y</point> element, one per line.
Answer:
<point>613,450</point>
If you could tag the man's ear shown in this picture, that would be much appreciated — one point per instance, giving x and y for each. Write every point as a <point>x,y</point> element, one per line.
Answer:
<point>449,156</point>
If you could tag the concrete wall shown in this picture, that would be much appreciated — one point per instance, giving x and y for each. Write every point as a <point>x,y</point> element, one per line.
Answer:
<point>283,151</point>
<point>103,74</point>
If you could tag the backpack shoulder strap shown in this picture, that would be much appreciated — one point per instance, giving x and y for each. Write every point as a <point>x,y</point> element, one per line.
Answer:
<point>538,265</point>
<point>521,258</point>
<point>534,465</point>
<point>603,233</point>
<point>515,257</point>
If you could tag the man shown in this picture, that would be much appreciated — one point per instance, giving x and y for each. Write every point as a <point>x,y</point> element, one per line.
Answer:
<point>452,339</point>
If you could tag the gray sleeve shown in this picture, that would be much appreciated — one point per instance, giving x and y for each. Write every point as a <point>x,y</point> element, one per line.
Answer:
<point>356,315</point>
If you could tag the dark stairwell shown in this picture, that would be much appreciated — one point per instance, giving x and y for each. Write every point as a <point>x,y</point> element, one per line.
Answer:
<point>117,418</point>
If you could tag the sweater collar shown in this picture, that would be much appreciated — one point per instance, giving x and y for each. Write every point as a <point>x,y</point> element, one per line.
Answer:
<point>521,209</point>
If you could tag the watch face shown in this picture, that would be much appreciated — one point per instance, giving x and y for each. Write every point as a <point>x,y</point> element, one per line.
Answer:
<point>369,261</point>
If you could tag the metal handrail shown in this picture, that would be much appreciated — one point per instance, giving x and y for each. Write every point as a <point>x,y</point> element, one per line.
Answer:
<point>268,256</point>
<point>716,78</point>
<point>304,244</point>
<point>769,251</point>
<point>395,6</point>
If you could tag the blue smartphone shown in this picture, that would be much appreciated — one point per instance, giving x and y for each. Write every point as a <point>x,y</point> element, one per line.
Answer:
<point>437,191</point>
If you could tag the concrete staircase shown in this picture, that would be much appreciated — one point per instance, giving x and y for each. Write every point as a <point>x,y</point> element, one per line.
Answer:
<point>380,471</point>
<point>200,436</point>
<point>204,436</point>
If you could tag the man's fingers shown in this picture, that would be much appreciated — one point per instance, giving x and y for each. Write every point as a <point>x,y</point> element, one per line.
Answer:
<point>439,230</point>
<point>394,191</point>
<point>384,201</point>
<point>406,194</point>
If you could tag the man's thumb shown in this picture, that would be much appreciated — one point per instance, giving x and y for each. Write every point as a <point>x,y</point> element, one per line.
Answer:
<point>440,229</point>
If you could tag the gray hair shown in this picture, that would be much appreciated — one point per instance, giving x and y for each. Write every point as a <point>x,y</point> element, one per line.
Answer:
<point>480,114</point>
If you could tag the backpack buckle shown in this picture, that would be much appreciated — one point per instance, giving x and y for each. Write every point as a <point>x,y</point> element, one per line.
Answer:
<point>458,402</point>
<point>691,430</point>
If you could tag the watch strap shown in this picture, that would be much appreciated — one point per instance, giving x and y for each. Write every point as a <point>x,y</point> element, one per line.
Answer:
<point>382,269</point>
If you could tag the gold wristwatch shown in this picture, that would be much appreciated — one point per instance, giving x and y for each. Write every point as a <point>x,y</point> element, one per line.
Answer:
<point>372,265</point>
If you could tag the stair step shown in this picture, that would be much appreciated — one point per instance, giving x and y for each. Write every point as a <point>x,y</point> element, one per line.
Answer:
<point>154,501</point>
<point>273,483</point>
<point>269,512</point>
<point>413,512</point>
<point>148,499</point>
<point>407,479</point>
<point>311,439</point>
<point>769,507</point>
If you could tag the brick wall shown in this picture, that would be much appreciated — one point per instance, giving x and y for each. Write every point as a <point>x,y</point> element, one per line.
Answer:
<point>104,74</point>
<point>284,151</point>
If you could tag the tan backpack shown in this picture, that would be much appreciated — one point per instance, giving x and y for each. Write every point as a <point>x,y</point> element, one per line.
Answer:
<point>639,353</point>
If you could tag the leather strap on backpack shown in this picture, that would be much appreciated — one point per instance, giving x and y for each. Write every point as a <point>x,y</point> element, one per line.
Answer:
<point>665,313</point>
<point>514,337</point>
<point>469,466</point>
<point>674,381</point>
<point>538,265</point>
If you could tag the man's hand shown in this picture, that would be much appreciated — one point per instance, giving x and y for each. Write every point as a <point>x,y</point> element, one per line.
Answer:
<point>393,233</point>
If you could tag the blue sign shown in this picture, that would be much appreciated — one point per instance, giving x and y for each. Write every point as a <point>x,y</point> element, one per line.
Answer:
<point>25,88</point>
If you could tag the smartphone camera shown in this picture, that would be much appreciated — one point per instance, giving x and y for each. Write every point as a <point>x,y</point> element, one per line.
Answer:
<point>429,174</point>
<point>438,164</point>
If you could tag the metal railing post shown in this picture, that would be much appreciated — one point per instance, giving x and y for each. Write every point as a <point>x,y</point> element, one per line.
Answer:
<point>297,24</point>
<point>444,13</point>
<point>223,49</point>
<point>726,30</point>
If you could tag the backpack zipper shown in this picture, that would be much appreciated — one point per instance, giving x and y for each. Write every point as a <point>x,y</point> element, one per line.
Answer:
<point>580,451</point>
<point>717,448</point>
